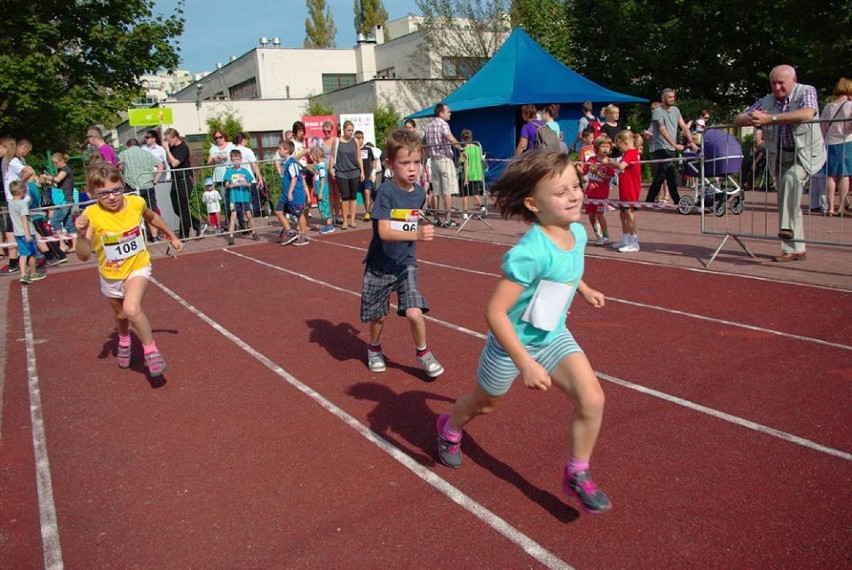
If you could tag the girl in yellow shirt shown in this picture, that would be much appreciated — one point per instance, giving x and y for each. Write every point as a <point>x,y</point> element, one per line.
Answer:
<point>112,228</point>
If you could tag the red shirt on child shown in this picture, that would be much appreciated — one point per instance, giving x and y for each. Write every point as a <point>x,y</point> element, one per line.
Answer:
<point>630,179</point>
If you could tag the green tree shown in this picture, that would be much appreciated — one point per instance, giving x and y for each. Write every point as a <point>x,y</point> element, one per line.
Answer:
<point>316,108</point>
<point>458,38</point>
<point>320,30</point>
<point>549,22</point>
<point>369,13</point>
<point>67,65</point>
<point>385,118</point>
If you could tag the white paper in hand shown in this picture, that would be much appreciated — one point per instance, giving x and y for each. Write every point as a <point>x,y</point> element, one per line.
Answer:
<point>546,309</point>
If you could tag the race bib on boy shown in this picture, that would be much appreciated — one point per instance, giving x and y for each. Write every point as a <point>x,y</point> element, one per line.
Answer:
<point>123,246</point>
<point>404,220</point>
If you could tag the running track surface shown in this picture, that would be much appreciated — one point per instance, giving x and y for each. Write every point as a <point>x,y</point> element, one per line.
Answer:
<point>726,439</point>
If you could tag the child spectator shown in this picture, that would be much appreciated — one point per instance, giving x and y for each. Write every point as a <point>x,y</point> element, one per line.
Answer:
<point>111,228</point>
<point>321,189</point>
<point>239,180</point>
<point>293,197</point>
<point>212,200</point>
<point>48,247</point>
<point>368,162</point>
<point>62,220</point>
<point>473,177</point>
<point>599,175</point>
<point>526,317</point>
<point>24,232</point>
<point>629,187</point>
<point>587,150</point>
<point>391,257</point>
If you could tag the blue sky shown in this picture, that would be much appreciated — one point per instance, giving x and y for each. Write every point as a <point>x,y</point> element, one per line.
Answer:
<point>217,29</point>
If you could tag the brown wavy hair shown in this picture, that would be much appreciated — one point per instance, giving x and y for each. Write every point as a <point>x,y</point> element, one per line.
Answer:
<point>522,175</point>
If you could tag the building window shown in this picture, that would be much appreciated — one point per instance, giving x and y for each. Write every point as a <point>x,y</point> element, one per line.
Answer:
<point>245,90</point>
<point>461,67</point>
<point>335,81</point>
<point>264,144</point>
<point>387,73</point>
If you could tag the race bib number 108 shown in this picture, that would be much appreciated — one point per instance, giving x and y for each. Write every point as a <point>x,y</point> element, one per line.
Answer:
<point>404,220</point>
<point>119,247</point>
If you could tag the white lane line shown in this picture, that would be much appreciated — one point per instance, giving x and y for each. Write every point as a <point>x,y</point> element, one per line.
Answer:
<point>499,524</point>
<point>742,422</point>
<point>51,547</point>
<point>652,307</point>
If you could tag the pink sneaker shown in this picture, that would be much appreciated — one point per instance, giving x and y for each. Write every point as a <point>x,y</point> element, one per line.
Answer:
<point>123,356</point>
<point>155,363</point>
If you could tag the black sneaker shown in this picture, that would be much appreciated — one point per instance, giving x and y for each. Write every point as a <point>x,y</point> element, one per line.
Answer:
<point>230,240</point>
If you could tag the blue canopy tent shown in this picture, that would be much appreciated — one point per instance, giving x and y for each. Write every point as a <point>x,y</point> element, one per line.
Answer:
<point>520,73</point>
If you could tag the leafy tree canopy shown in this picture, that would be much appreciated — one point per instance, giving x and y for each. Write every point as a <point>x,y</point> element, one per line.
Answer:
<point>369,13</point>
<point>319,26</point>
<point>66,65</point>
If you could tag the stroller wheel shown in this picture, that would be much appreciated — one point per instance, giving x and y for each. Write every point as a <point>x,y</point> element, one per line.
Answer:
<point>684,206</point>
<point>737,205</point>
<point>719,207</point>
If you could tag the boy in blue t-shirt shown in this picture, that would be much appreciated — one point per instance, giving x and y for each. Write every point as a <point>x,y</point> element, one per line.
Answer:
<point>321,189</point>
<point>239,181</point>
<point>293,198</point>
<point>391,258</point>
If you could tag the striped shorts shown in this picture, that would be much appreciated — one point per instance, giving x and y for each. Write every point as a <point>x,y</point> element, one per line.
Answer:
<point>377,288</point>
<point>497,371</point>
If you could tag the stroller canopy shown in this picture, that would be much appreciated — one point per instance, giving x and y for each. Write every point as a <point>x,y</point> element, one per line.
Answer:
<point>722,153</point>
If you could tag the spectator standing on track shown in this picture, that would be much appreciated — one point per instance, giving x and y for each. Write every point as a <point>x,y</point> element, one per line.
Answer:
<point>321,189</point>
<point>239,180</point>
<point>792,154</point>
<point>473,177</point>
<point>219,157</point>
<point>368,164</point>
<point>62,220</point>
<point>24,232</point>
<point>110,228</point>
<point>629,187</point>
<point>348,170</point>
<point>250,164</point>
<point>142,172</point>
<point>327,143</point>
<point>526,316</point>
<point>445,183</point>
<point>391,261</point>
<point>665,121</point>
<point>838,137</point>
<point>293,197</point>
<point>15,168</point>
<point>600,175</point>
<point>213,203</point>
<point>95,137</point>
<point>178,156</point>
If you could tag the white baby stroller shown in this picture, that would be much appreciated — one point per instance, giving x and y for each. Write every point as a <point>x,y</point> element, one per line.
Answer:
<point>723,157</point>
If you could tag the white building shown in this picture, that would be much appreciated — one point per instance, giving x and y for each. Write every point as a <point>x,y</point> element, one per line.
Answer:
<point>270,86</point>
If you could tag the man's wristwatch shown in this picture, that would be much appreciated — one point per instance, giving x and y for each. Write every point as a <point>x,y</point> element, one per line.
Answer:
<point>774,118</point>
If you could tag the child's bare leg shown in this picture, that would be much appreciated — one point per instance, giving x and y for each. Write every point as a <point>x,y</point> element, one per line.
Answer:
<point>602,222</point>
<point>418,326</point>
<point>250,220</point>
<point>303,222</point>
<point>477,403</point>
<point>232,222</point>
<point>129,310</point>
<point>575,377</point>
<point>376,331</point>
<point>282,219</point>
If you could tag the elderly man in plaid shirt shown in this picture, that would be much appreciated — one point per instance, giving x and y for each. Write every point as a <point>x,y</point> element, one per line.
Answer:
<point>437,139</point>
<point>794,150</point>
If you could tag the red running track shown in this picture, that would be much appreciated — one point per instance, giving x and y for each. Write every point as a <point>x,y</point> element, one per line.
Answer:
<point>274,446</point>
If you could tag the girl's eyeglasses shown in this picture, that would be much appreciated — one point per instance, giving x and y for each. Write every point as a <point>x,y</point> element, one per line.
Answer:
<point>111,192</point>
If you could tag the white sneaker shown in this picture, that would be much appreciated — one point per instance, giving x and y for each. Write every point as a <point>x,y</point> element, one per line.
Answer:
<point>629,248</point>
<point>603,240</point>
<point>376,361</point>
<point>619,244</point>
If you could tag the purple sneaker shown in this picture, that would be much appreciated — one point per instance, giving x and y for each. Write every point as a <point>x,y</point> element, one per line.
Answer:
<point>449,452</point>
<point>155,363</point>
<point>123,356</point>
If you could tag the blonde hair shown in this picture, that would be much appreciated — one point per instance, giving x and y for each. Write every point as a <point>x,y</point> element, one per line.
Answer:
<point>602,139</point>
<point>843,87</point>
<point>628,135</point>
<point>610,110</point>
<point>17,188</point>
<point>59,156</point>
